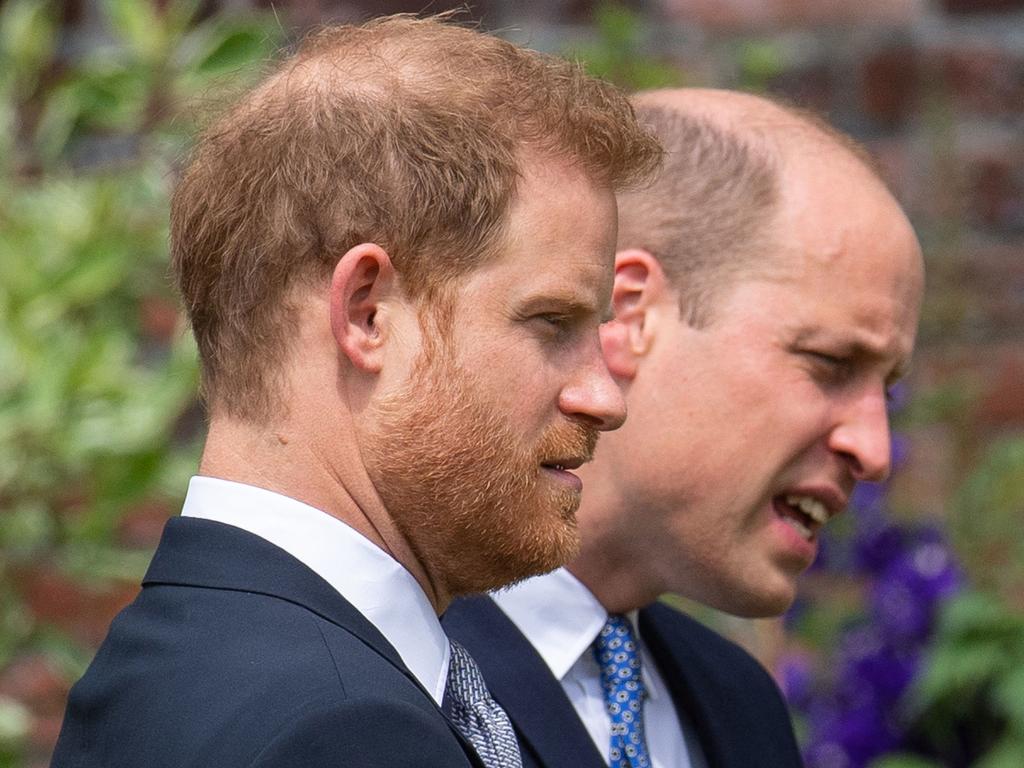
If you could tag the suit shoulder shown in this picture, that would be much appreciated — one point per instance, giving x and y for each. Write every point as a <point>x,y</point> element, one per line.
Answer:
<point>230,669</point>
<point>373,732</point>
<point>726,689</point>
<point>730,663</point>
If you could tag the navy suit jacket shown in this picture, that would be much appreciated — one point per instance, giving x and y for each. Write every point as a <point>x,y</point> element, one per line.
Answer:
<point>236,654</point>
<point>735,706</point>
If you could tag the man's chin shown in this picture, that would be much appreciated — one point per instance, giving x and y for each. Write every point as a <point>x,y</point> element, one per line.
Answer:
<point>517,561</point>
<point>767,599</point>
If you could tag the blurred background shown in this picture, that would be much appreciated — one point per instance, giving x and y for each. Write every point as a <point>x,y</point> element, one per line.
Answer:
<point>906,648</point>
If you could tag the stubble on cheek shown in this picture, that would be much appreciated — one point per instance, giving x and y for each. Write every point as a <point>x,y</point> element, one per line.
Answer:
<point>466,493</point>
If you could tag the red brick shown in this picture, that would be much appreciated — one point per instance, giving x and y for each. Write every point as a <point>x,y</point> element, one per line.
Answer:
<point>811,86</point>
<point>1003,402</point>
<point>895,165</point>
<point>159,318</point>
<point>993,280</point>
<point>36,682</point>
<point>83,611</point>
<point>44,732</point>
<point>141,526</point>
<point>981,6</point>
<point>997,192</point>
<point>889,84</point>
<point>747,14</point>
<point>981,78</point>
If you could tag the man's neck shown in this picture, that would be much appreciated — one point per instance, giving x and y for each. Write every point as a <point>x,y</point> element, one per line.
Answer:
<point>284,459</point>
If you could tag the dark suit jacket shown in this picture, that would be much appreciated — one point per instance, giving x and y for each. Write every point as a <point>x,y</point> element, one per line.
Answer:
<point>739,715</point>
<point>236,654</point>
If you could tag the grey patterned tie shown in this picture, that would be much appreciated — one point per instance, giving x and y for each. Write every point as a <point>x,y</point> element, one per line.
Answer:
<point>477,716</point>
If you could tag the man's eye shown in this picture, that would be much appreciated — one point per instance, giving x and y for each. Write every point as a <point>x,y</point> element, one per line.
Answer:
<point>827,359</point>
<point>834,367</point>
<point>555,320</point>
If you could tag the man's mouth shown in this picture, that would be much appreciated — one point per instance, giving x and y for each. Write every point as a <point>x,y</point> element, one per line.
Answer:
<point>563,465</point>
<point>805,514</point>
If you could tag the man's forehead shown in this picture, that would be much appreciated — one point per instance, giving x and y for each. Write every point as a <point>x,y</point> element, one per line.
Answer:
<point>575,284</point>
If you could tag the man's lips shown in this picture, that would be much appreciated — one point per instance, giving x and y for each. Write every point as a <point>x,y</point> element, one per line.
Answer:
<point>565,464</point>
<point>559,469</point>
<point>806,510</point>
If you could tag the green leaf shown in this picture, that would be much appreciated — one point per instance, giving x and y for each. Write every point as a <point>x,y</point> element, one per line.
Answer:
<point>239,48</point>
<point>26,527</point>
<point>619,26</point>
<point>138,25</point>
<point>955,673</point>
<point>904,761</point>
<point>28,33</point>
<point>1008,696</point>
<point>1009,753</point>
<point>15,720</point>
<point>60,116</point>
<point>976,616</point>
<point>618,53</point>
<point>760,61</point>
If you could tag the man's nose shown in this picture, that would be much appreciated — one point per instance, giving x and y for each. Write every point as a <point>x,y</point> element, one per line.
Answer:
<point>593,395</point>
<point>862,437</point>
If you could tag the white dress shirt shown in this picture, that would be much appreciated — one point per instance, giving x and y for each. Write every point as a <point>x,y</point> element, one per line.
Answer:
<point>375,583</point>
<point>561,618</point>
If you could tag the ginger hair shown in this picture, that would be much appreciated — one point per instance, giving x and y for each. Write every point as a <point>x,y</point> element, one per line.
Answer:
<point>405,132</point>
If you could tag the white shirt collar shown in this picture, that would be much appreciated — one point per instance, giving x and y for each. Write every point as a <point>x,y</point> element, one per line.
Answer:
<point>557,614</point>
<point>374,582</point>
<point>561,618</point>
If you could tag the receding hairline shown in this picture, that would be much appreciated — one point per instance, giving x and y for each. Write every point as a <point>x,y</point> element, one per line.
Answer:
<point>767,123</point>
<point>733,160</point>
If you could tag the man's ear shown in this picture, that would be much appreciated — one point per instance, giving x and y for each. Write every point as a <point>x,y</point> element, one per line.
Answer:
<point>640,284</point>
<point>363,278</point>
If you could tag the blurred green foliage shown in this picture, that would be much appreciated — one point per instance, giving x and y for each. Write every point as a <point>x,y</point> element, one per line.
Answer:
<point>97,376</point>
<point>987,515</point>
<point>970,699</point>
<point>618,54</point>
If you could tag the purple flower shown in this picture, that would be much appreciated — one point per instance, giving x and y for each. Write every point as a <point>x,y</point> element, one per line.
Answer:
<point>904,598</point>
<point>796,677</point>
<point>796,612</point>
<point>878,545</point>
<point>826,754</point>
<point>865,733</point>
<point>873,673</point>
<point>898,396</point>
<point>850,737</point>
<point>868,499</point>
<point>900,448</point>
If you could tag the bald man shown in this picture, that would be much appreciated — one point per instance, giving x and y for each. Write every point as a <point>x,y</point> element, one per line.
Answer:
<point>766,297</point>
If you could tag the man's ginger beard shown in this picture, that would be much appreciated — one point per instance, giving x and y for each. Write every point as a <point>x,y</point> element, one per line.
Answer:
<point>468,495</point>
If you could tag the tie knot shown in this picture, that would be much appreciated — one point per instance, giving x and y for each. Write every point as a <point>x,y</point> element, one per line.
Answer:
<point>478,716</point>
<point>465,682</point>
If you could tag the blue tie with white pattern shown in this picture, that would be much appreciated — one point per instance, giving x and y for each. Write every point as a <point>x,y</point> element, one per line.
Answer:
<point>617,655</point>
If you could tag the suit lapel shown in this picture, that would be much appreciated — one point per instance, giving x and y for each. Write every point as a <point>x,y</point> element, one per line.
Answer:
<point>204,553</point>
<point>688,681</point>
<point>522,683</point>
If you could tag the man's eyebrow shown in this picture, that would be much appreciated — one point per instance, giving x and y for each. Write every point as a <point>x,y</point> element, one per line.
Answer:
<point>557,301</point>
<point>856,348</point>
